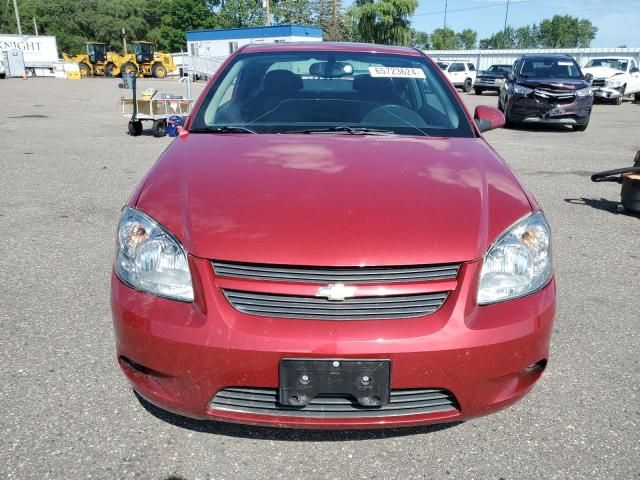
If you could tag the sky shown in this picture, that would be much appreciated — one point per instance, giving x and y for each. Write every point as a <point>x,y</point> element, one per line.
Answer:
<point>618,21</point>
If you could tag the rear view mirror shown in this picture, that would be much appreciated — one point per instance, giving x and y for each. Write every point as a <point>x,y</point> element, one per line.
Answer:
<point>588,77</point>
<point>634,70</point>
<point>488,118</point>
<point>331,70</point>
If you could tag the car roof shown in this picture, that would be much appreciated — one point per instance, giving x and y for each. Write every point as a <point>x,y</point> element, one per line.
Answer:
<point>611,57</point>
<point>546,55</point>
<point>329,47</point>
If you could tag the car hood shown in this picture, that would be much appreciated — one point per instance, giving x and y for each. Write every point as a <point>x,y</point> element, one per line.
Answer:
<point>602,72</point>
<point>332,199</point>
<point>553,83</point>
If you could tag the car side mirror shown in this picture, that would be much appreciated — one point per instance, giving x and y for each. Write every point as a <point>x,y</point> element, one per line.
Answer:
<point>488,118</point>
<point>588,77</point>
<point>634,70</point>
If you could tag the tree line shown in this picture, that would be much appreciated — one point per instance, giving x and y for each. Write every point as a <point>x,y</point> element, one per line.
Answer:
<point>165,22</point>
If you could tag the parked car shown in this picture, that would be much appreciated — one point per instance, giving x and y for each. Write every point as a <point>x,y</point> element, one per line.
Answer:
<point>460,74</point>
<point>491,80</point>
<point>613,78</point>
<point>332,249</point>
<point>548,89</point>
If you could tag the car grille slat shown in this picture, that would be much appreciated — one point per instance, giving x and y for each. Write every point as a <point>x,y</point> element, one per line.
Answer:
<point>293,306</point>
<point>289,299</point>
<point>264,401</point>
<point>337,274</point>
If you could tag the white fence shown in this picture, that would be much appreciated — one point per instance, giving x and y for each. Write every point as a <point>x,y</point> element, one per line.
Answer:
<point>483,59</point>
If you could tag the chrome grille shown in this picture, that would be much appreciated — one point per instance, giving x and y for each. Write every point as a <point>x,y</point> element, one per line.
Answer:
<point>264,401</point>
<point>600,82</point>
<point>362,308</point>
<point>362,275</point>
<point>555,96</point>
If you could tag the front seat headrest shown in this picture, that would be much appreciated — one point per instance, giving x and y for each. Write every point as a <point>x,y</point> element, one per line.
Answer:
<point>281,82</point>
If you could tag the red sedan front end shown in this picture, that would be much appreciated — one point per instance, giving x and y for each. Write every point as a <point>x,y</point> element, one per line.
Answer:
<point>301,272</point>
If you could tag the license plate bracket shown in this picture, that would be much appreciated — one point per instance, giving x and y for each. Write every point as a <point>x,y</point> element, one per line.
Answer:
<point>301,380</point>
<point>556,111</point>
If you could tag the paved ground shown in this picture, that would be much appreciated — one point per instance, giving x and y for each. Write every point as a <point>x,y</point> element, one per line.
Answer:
<point>67,413</point>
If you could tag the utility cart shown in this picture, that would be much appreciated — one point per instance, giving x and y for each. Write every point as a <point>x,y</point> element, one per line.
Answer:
<point>150,109</point>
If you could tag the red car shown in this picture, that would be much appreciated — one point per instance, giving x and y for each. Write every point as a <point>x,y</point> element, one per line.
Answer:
<point>331,243</point>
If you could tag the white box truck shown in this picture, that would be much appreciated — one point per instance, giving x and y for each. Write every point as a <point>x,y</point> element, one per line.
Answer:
<point>39,51</point>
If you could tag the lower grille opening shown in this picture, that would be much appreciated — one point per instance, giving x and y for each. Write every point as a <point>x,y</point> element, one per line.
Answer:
<point>536,368</point>
<point>138,367</point>
<point>264,401</point>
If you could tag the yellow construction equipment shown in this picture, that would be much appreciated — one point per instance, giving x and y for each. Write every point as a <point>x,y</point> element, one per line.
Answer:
<point>147,62</point>
<point>91,63</point>
<point>144,61</point>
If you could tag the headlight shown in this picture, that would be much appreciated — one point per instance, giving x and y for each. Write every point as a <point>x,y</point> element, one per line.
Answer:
<point>150,259</point>
<point>499,81</point>
<point>584,92</point>
<point>521,90</point>
<point>614,83</point>
<point>518,263</point>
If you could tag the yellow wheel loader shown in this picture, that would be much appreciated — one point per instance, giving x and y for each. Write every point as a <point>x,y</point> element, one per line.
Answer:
<point>91,63</point>
<point>147,62</point>
<point>144,61</point>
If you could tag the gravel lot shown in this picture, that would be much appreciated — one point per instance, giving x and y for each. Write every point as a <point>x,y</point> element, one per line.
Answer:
<point>68,413</point>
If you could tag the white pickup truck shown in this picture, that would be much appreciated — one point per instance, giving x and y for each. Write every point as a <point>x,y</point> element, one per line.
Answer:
<point>461,74</point>
<point>614,78</point>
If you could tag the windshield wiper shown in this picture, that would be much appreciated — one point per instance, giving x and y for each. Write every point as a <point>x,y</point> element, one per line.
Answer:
<point>223,129</point>
<point>346,130</point>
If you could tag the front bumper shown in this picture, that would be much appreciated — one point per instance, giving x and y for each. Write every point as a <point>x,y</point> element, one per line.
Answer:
<point>607,93</point>
<point>180,355</point>
<point>487,84</point>
<point>530,109</point>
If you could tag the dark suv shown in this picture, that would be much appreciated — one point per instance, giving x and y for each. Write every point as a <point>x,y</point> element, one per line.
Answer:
<point>548,89</point>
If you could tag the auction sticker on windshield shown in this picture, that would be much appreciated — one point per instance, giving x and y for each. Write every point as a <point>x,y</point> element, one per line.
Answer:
<point>396,72</point>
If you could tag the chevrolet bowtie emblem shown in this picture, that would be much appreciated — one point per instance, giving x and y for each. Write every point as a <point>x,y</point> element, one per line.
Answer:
<point>336,292</point>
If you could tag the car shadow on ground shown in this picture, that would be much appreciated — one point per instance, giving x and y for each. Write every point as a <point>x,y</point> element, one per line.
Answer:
<point>272,433</point>
<point>602,204</point>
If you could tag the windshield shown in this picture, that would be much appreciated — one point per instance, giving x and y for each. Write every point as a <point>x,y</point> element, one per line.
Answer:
<point>140,48</point>
<point>615,63</point>
<point>499,69</point>
<point>550,68</point>
<point>349,92</point>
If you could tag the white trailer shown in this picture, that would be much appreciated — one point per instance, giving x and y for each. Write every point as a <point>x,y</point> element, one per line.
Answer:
<point>40,52</point>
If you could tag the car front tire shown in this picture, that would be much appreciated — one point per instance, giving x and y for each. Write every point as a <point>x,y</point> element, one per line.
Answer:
<point>467,85</point>
<point>581,127</point>
<point>478,91</point>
